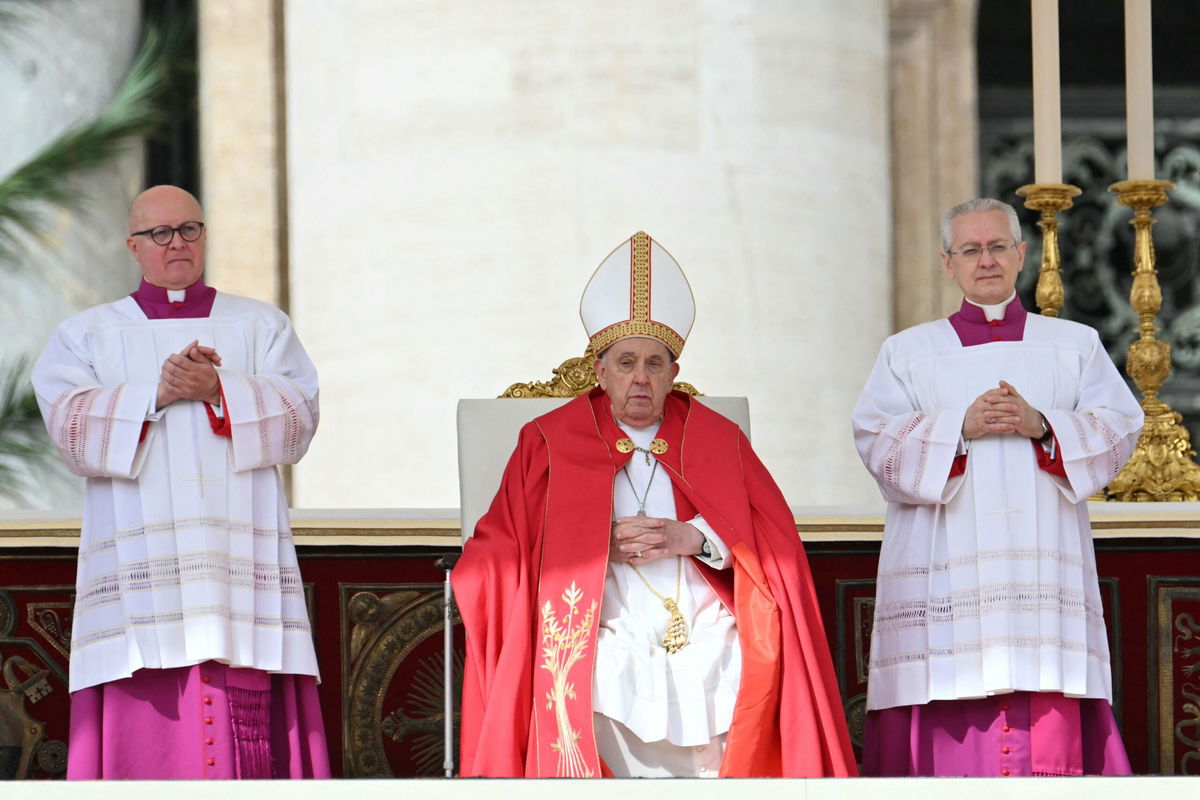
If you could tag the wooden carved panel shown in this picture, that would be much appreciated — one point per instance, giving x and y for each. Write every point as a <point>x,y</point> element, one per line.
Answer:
<point>1175,663</point>
<point>393,668</point>
<point>855,616</point>
<point>35,640</point>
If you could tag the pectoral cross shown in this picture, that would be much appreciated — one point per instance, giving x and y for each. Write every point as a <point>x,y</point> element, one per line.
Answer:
<point>200,479</point>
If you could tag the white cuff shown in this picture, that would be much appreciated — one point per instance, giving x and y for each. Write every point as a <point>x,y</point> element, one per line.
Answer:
<point>153,413</point>
<point>718,553</point>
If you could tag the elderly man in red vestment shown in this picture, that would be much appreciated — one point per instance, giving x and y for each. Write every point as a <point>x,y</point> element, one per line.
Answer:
<point>636,600</point>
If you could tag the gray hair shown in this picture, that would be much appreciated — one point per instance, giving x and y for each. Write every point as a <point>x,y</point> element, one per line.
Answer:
<point>977,205</point>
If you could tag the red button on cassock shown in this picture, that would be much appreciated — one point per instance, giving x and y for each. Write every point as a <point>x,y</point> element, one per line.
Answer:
<point>208,720</point>
<point>210,740</point>
<point>1002,772</point>
<point>208,701</point>
<point>207,679</point>
<point>1004,707</point>
<point>1005,750</point>
<point>1006,729</point>
<point>213,761</point>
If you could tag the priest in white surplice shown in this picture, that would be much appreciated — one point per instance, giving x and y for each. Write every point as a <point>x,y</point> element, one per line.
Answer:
<point>191,654</point>
<point>986,433</point>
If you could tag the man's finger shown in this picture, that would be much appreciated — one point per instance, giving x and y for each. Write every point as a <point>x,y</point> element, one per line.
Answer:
<point>645,522</point>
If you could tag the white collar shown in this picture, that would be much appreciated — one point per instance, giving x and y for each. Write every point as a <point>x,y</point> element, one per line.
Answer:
<point>993,312</point>
<point>176,295</point>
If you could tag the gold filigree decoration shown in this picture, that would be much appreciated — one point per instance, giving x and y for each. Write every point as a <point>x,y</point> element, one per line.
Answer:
<point>1161,467</point>
<point>564,644</point>
<point>640,245</point>
<point>1049,199</point>
<point>572,378</point>
<point>638,327</point>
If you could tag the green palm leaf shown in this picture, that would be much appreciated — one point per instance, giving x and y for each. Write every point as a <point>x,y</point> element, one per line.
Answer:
<point>23,439</point>
<point>134,111</point>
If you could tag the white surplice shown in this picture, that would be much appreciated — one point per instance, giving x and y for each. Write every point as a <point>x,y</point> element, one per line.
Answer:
<point>987,581</point>
<point>186,552</point>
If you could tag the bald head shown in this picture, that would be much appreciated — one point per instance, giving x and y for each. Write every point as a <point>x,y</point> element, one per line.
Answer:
<point>179,263</point>
<point>157,199</point>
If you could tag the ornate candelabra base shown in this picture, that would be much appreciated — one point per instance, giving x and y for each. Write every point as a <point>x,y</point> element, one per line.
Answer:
<point>1049,198</point>
<point>1161,467</point>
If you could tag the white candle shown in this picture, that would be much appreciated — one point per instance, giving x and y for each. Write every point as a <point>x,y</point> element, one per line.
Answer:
<point>1047,110</point>
<point>1139,91</point>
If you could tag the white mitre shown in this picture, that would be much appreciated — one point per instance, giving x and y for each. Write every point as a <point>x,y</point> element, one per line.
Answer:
<point>638,290</point>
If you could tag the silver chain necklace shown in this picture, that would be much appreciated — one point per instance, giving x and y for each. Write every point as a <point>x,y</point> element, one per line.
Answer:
<point>641,500</point>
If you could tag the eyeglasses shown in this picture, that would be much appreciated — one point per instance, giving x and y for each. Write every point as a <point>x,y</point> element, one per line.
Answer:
<point>165,234</point>
<point>997,251</point>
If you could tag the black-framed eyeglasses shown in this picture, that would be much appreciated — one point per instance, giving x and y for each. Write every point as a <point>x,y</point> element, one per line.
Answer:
<point>165,234</point>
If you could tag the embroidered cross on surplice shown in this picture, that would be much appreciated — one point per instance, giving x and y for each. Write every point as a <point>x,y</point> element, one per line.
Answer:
<point>200,479</point>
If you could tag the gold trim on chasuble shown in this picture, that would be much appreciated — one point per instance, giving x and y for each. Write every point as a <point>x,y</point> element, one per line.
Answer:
<point>639,322</point>
<point>564,643</point>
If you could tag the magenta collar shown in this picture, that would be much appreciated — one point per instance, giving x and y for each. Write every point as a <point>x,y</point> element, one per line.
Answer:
<point>973,327</point>
<point>197,301</point>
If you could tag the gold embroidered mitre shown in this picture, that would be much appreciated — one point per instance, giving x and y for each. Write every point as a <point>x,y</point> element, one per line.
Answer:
<point>638,290</point>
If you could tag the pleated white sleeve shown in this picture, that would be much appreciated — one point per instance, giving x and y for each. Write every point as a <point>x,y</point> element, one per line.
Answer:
<point>1097,437</point>
<point>273,414</point>
<point>907,449</point>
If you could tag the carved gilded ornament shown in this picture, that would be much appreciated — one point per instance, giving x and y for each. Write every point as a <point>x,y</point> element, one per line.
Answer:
<point>572,378</point>
<point>1162,465</point>
<point>382,627</point>
<point>1049,199</point>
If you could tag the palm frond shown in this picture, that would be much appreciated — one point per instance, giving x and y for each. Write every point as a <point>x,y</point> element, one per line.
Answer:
<point>134,111</point>
<point>23,439</point>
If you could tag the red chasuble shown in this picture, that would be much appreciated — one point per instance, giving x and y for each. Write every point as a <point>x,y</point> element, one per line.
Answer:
<point>530,583</point>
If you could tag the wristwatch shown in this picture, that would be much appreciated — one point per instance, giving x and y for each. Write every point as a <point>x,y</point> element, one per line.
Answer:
<point>1047,434</point>
<point>705,550</point>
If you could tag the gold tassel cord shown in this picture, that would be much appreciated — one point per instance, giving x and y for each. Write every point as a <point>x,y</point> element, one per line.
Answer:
<point>676,636</point>
<point>677,633</point>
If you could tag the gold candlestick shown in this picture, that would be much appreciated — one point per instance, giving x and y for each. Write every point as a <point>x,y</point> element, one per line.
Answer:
<point>1049,199</point>
<point>1161,467</point>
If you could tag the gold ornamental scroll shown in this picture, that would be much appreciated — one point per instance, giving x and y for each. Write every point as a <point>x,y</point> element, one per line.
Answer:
<point>1161,467</point>
<point>572,378</point>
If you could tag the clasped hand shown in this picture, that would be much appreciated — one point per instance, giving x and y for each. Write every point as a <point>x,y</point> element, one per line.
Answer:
<point>640,539</point>
<point>1003,411</point>
<point>190,374</point>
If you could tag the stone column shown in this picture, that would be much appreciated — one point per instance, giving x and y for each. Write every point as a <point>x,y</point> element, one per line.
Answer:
<point>243,147</point>
<point>934,145</point>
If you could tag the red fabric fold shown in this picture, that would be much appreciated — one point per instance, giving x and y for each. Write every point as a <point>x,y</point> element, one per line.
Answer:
<point>958,466</point>
<point>1055,465</point>
<point>219,425</point>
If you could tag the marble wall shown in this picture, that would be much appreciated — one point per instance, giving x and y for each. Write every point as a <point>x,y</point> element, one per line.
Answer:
<point>456,171</point>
